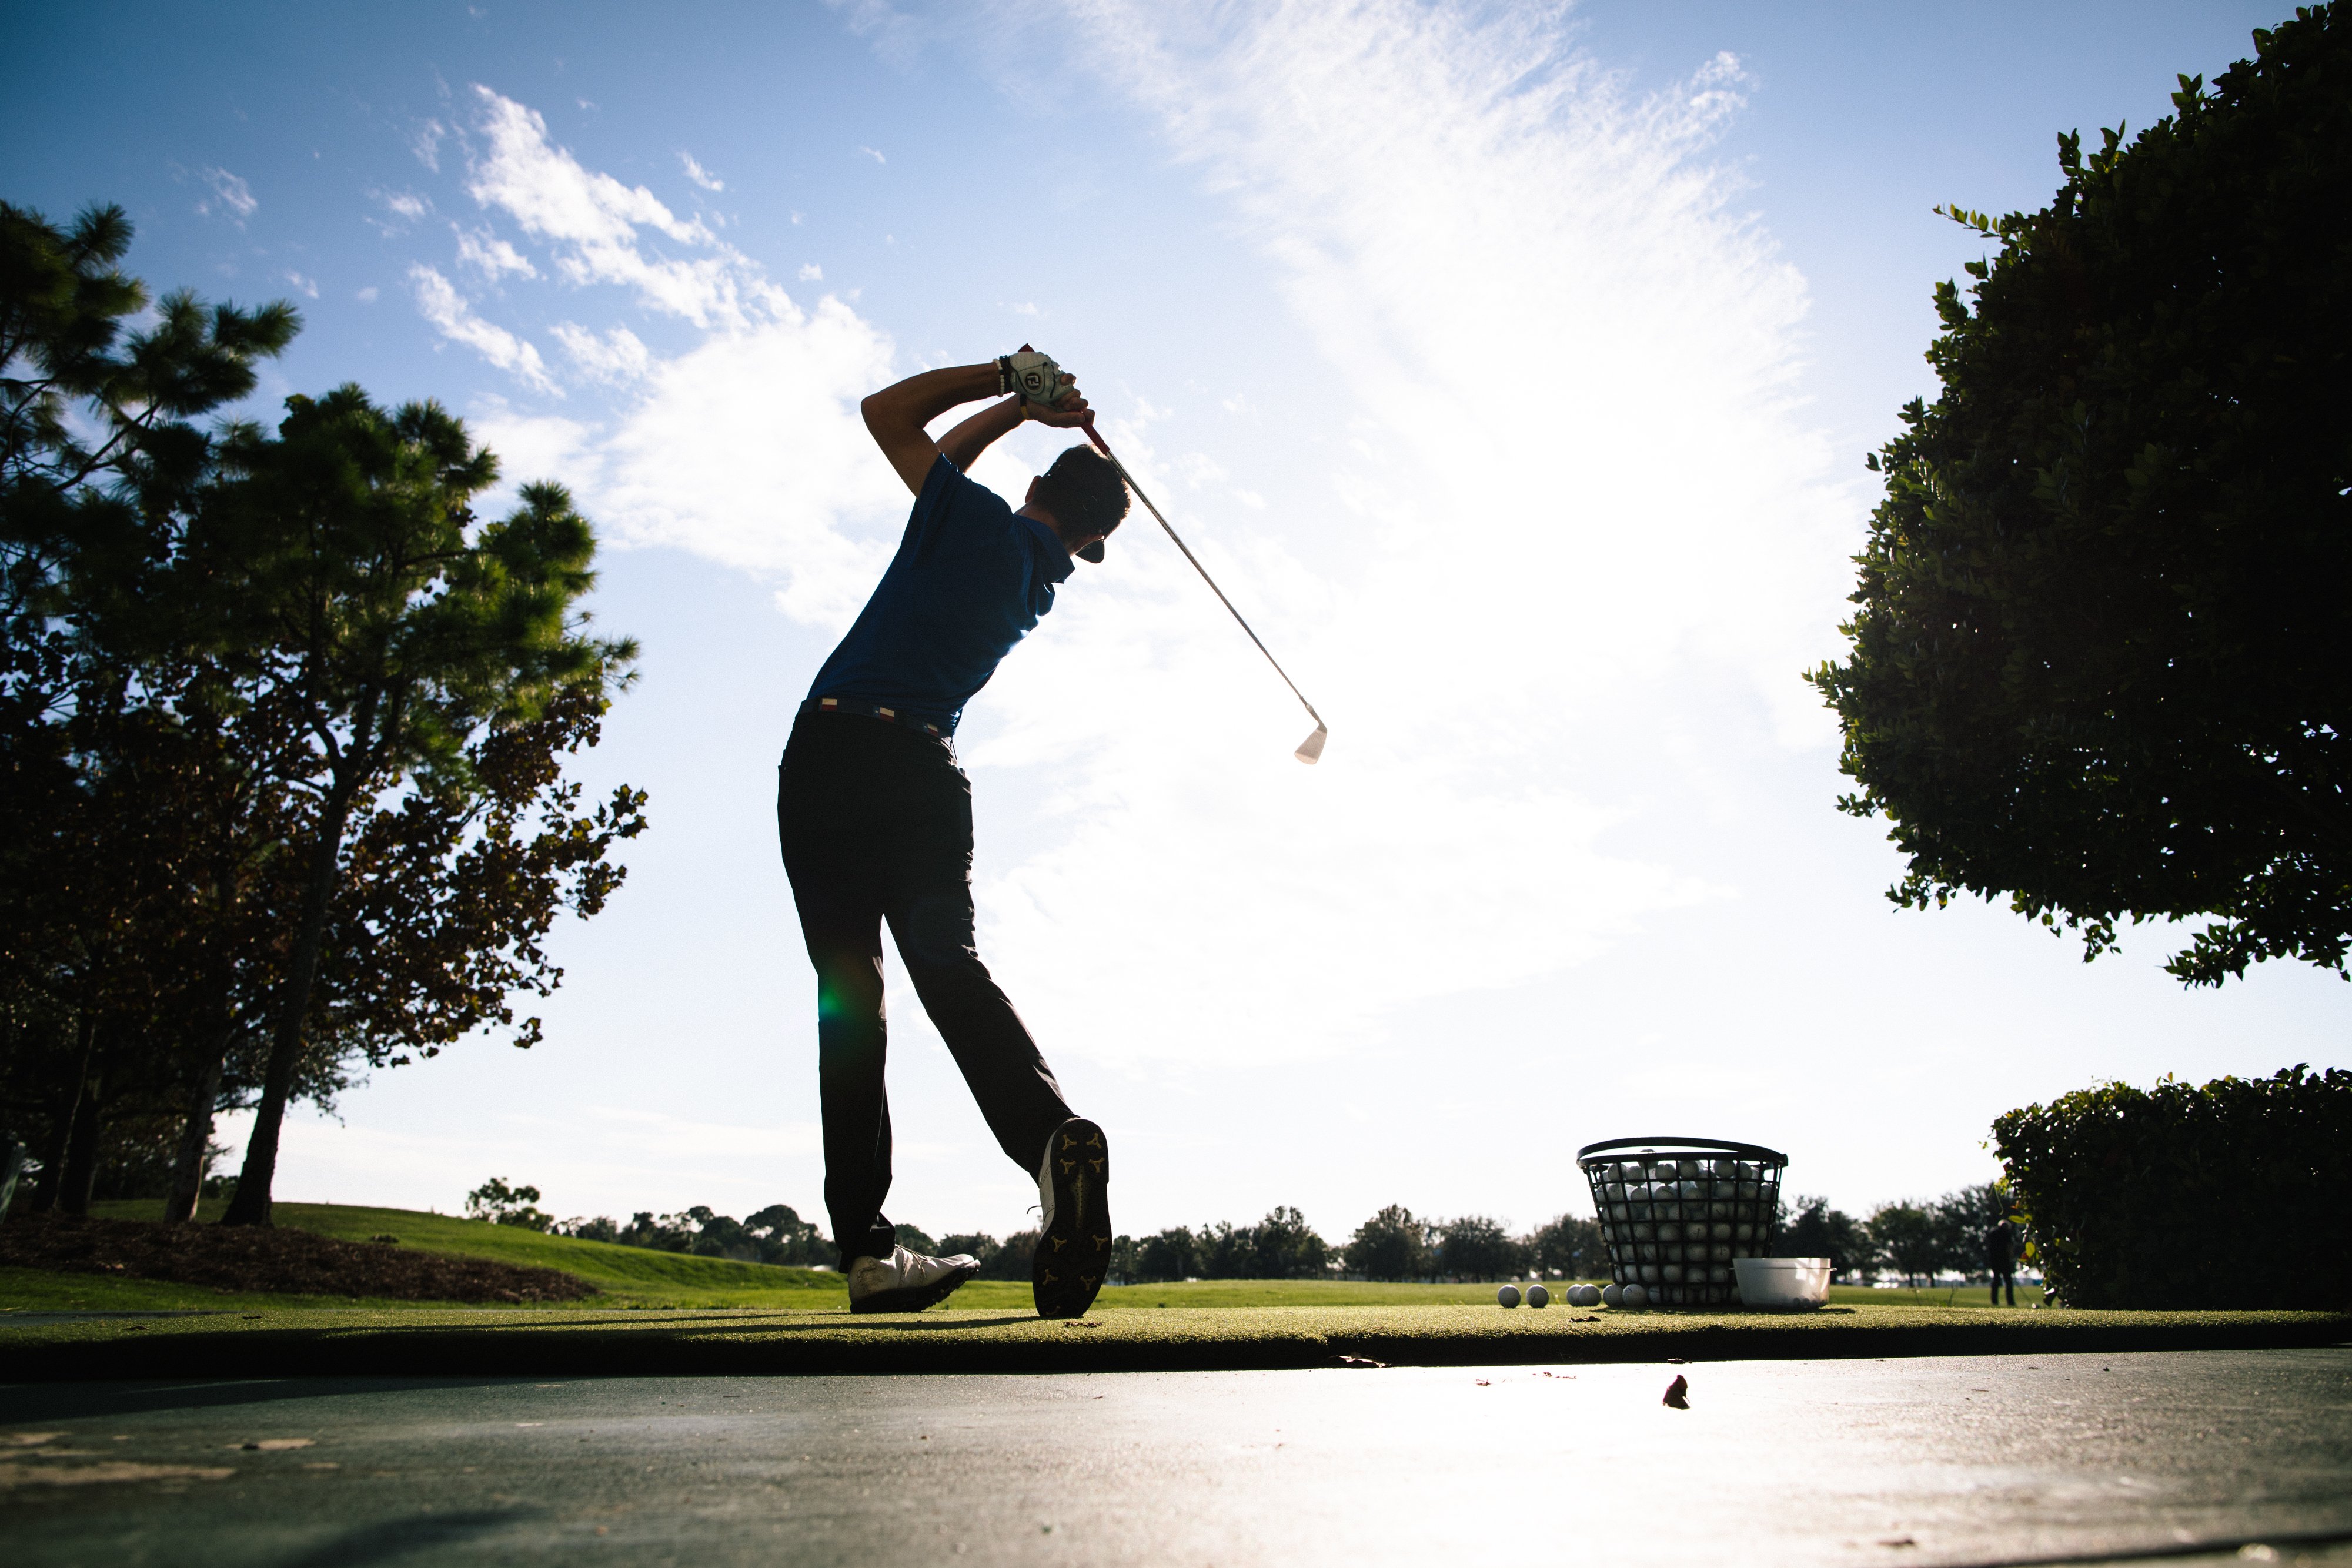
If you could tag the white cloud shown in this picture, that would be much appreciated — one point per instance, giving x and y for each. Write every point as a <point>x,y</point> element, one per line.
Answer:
<point>617,356</point>
<point>490,255</point>
<point>442,305</point>
<point>701,175</point>
<point>1024,308</point>
<point>427,143</point>
<point>749,450</point>
<point>594,222</point>
<point>406,207</point>
<point>367,296</point>
<point>811,273</point>
<point>1585,533</point>
<point>230,193</point>
<point>309,285</point>
<point>874,153</point>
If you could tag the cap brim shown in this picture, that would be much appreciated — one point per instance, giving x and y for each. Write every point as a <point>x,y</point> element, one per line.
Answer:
<point>1093,552</point>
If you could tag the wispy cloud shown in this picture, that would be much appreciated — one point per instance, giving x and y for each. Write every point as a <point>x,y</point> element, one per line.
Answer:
<point>231,196</point>
<point>701,175</point>
<point>874,153</point>
<point>309,285</point>
<point>440,303</point>
<point>601,228</point>
<point>745,447</point>
<point>490,255</point>
<point>1579,495</point>
<point>405,207</point>
<point>426,142</point>
<point>617,356</point>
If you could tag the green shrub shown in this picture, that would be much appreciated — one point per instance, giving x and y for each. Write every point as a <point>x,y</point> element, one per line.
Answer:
<point>2231,1195</point>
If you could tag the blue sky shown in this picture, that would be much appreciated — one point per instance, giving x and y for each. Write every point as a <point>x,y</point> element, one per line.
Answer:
<point>1512,366</point>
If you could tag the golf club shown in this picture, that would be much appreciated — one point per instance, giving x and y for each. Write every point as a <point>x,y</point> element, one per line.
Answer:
<point>1310,749</point>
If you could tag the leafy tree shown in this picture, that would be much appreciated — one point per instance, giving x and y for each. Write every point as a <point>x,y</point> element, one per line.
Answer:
<point>1170,1255</point>
<point>1126,1257</point>
<point>1283,1245</point>
<point>1477,1248</point>
<point>1225,1251</point>
<point>1391,1245</point>
<point>1961,1219</point>
<point>1817,1230</point>
<point>1906,1236</point>
<point>123,880</point>
<point>341,565</point>
<point>978,1244</point>
<point>2098,665</point>
<point>915,1239</point>
<point>1012,1258</point>
<point>1568,1249</point>
<point>785,1237</point>
<point>500,1204</point>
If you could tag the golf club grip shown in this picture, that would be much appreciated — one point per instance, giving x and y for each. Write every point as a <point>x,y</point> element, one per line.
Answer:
<point>1104,447</point>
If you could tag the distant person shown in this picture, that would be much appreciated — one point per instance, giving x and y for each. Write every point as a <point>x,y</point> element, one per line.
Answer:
<point>874,818</point>
<point>2001,1242</point>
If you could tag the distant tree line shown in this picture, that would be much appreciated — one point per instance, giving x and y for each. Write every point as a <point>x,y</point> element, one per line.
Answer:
<point>1912,1240</point>
<point>283,732</point>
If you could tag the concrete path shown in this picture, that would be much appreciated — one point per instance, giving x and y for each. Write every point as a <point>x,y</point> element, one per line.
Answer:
<point>2233,1456</point>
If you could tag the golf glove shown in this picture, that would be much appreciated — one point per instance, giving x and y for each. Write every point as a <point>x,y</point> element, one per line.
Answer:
<point>1033,375</point>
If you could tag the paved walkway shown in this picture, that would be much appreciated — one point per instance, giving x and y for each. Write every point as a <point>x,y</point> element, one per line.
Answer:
<point>1942,1461</point>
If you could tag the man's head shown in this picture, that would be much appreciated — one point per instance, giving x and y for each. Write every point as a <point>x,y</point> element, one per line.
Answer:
<point>1085,496</point>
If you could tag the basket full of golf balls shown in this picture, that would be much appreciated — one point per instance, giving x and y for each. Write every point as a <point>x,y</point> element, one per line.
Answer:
<point>1675,1211</point>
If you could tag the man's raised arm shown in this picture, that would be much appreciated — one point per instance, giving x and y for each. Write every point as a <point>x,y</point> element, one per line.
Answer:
<point>895,417</point>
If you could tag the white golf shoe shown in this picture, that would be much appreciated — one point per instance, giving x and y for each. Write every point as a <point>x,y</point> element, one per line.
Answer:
<point>1074,1232</point>
<point>906,1281</point>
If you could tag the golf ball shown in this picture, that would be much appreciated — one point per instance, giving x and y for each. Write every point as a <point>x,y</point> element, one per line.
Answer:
<point>1507,1296</point>
<point>1538,1296</point>
<point>1611,1296</point>
<point>1635,1296</point>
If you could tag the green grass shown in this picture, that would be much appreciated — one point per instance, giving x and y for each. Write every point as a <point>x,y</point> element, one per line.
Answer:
<point>574,1342</point>
<point>622,1276</point>
<point>637,1277</point>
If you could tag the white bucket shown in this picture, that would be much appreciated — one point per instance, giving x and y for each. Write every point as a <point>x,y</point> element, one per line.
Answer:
<point>1782,1284</point>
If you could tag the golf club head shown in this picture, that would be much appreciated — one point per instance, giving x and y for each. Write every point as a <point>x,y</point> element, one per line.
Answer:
<point>1311,749</point>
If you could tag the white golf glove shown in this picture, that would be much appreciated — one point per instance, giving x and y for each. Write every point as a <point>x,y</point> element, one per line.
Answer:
<point>1033,375</point>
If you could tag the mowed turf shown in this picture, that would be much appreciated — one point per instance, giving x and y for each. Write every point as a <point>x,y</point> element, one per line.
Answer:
<point>571,1343</point>
<point>640,1278</point>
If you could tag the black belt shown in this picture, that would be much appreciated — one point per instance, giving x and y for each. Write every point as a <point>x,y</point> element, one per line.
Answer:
<point>874,710</point>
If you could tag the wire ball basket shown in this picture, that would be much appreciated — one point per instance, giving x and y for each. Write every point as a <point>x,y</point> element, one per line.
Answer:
<point>1674,1212</point>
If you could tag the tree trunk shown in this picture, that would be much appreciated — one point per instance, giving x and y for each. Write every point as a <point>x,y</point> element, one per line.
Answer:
<point>47,1191</point>
<point>81,1153</point>
<point>250,1205</point>
<point>195,1136</point>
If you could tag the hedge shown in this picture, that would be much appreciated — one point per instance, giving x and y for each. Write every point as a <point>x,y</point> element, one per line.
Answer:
<point>2237,1194</point>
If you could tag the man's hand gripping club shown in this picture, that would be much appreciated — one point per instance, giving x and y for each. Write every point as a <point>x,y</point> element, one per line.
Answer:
<point>1031,385</point>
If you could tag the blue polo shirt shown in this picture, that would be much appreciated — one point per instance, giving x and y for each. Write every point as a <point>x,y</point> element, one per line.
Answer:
<point>970,578</point>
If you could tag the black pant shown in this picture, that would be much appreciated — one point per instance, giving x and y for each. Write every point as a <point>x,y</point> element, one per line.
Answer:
<point>2004,1274</point>
<point>876,823</point>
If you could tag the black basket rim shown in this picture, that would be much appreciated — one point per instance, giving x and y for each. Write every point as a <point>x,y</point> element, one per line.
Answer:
<point>1671,1146</point>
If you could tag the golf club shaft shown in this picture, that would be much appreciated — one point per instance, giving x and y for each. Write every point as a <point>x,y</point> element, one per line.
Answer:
<point>1104,447</point>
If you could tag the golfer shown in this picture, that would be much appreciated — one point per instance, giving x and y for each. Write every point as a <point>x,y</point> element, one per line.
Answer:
<point>2000,1257</point>
<point>874,818</point>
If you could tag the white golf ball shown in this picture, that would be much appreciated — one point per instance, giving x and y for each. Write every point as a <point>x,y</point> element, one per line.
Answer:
<point>1536,1296</point>
<point>1635,1296</point>
<point>1507,1296</point>
<point>1611,1295</point>
<point>1585,1296</point>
